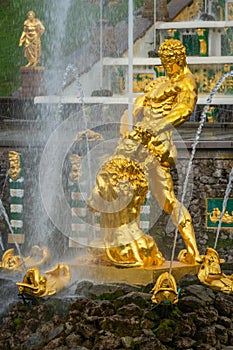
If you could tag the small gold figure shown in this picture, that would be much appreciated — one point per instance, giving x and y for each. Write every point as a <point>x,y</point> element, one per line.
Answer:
<point>165,290</point>
<point>166,103</point>
<point>211,275</point>
<point>11,261</point>
<point>37,257</point>
<point>76,167</point>
<point>33,29</point>
<point>216,214</point>
<point>15,165</point>
<point>37,285</point>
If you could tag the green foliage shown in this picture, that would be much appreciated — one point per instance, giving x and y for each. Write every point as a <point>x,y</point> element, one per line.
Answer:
<point>165,328</point>
<point>19,324</point>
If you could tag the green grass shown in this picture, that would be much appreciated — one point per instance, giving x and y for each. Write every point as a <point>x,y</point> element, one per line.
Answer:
<point>81,17</point>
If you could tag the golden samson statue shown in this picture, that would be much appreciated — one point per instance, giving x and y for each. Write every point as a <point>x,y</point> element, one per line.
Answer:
<point>144,158</point>
<point>32,31</point>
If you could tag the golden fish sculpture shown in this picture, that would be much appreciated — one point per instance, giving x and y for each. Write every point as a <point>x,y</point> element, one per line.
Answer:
<point>39,285</point>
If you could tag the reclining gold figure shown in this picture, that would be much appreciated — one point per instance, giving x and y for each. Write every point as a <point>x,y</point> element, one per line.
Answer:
<point>211,275</point>
<point>144,156</point>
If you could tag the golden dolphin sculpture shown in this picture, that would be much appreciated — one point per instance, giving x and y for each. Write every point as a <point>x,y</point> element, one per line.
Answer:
<point>39,285</point>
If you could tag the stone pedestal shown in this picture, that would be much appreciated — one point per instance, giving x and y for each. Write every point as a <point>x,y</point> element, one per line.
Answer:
<point>33,83</point>
<point>135,275</point>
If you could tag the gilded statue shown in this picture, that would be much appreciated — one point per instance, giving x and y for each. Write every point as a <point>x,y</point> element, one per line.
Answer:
<point>32,31</point>
<point>15,165</point>
<point>125,243</point>
<point>39,285</point>
<point>165,290</point>
<point>216,214</point>
<point>37,257</point>
<point>211,275</point>
<point>147,152</point>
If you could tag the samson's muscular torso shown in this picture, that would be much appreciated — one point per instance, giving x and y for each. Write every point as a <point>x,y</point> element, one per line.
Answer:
<point>166,104</point>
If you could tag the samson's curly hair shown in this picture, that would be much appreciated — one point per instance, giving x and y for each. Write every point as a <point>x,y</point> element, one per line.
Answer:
<point>173,47</point>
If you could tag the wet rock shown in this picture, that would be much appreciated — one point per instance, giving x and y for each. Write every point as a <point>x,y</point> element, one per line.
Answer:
<point>190,303</point>
<point>145,342</point>
<point>127,342</point>
<point>204,294</point>
<point>207,315</point>
<point>54,344</point>
<point>203,346</point>
<point>83,288</point>
<point>130,309</point>
<point>165,331</point>
<point>147,324</point>
<point>55,332</point>
<point>221,334</point>
<point>207,335</point>
<point>35,339</point>
<point>230,336</point>
<point>143,300</point>
<point>86,330</point>
<point>102,308</point>
<point>151,315</point>
<point>122,326</point>
<point>202,320</point>
<point>188,280</point>
<point>73,340</point>
<point>225,321</point>
<point>185,343</point>
<point>107,340</point>
<point>108,291</point>
<point>224,304</point>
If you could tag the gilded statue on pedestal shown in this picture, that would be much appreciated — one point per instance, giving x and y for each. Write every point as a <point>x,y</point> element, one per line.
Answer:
<point>32,31</point>
<point>144,158</point>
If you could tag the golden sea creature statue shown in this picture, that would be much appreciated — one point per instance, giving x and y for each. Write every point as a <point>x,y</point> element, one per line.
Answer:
<point>166,103</point>
<point>211,275</point>
<point>165,290</point>
<point>39,285</point>
<point>37,257</point>
<point>32,31</point>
